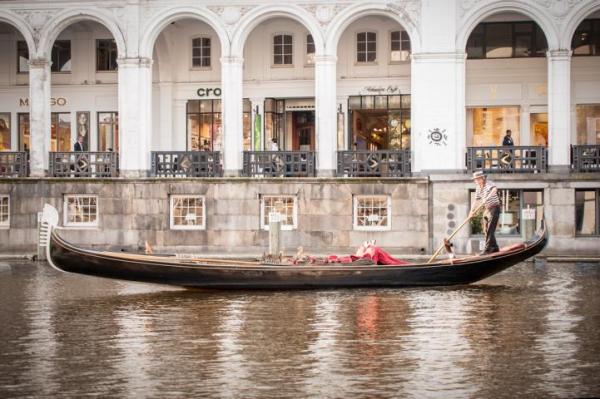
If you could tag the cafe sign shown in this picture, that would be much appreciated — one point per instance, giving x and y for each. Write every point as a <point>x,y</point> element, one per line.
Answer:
<point>54,101</point>
<point>380,90</point>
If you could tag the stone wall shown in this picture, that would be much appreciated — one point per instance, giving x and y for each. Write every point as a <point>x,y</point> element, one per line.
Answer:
<point>134,211</point>
<point>450,196</point>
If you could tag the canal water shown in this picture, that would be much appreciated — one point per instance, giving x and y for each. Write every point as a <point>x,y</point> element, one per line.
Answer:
<point>533,330</point>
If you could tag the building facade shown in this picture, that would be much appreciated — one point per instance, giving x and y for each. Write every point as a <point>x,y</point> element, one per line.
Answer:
<point>344,106</point>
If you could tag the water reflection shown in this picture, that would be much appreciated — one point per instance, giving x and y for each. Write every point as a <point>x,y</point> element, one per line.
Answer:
<point>530,331</point>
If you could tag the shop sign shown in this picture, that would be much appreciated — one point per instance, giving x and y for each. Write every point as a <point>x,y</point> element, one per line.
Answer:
<point>381,90</point>
<point>54,101</point>
<point>206,92</point>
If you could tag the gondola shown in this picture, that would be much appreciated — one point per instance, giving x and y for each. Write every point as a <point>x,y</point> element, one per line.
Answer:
<point>257,274</point>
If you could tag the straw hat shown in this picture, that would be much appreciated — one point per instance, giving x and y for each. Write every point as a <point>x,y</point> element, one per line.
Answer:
<point>478,174</point>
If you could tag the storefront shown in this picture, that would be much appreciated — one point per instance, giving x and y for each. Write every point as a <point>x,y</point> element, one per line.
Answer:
<point>379,122</point>
<point>204,125</point>
<point>289,124</point>
<point>588,124</point>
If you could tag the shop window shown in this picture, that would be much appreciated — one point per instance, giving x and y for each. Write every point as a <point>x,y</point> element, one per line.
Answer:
<point>521,212</point>
<point>507,40</point>
<point>285,205</point>
<point>24,136</point>
<point>247,124</point>
<point>586,40</point>
<point>60,132</point>
<point>489,125</point>
<point>587,212</point>
<point>108,131</point>
<point>5,134</point>
<point>106,55</point>
<point>201,52</point>
<point>379,122</point>
<point>274,124</point>
<point>22,57</point>
<point>4,211</point>
<point>310,50</point>
<point>61,56</point>
<point>188,212</point>
<point>282,50</point>
<point>588,124</point>
<point>372,212</point>
<point>204,125</point>
<point>366,47</point>
<point>400,46</point>
<point>81,211</point>
<point>539,128</point>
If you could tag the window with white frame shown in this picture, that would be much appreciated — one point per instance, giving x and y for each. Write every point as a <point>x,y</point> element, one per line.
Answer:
<point>400,46</point>
<point>310,50</point>
<point>372,212</point>
<point>188,212</point>
<point>4,211</point>
<point>285,205</point>
<point>366,47</point>
<point>80,211</point>
<point>282,50</point>
<point>201,52</point>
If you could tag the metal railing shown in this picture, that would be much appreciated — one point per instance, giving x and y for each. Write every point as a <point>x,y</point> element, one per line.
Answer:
<point>279,164</point>
<point>84,164</point>
<point>186,164</point>
<point>363,163</point>
<point>585,158</point>
<point>14,164</point>
<point>507,159</point>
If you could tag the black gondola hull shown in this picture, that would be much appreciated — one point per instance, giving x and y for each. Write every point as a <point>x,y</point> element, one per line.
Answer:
<point>229,275</point>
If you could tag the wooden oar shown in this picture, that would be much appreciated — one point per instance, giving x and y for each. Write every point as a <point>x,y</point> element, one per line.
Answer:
<point>447,240</point>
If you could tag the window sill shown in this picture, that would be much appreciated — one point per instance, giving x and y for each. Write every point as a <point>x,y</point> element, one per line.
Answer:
<point>277,66</point>
<point>188,228</point>
<point>81,227</point>
<point>358,63</point>
<point>200,69</point>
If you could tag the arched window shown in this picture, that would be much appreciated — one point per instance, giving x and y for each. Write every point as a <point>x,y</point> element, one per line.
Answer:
<point>282,50</point>
<point>310,50</point>
<point>201,52</point>
<point>399,46</point>
<point>366,47</point>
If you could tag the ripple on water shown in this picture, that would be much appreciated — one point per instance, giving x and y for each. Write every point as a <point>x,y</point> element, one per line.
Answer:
<point>531,330</point>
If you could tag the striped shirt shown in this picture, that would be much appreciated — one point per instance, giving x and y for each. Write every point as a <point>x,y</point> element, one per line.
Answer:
<point>483,193</point>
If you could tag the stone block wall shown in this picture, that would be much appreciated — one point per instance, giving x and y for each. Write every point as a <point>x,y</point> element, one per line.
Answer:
<point>132,211</point>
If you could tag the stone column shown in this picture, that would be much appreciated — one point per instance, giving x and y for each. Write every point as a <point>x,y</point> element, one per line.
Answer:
<point>438,131</point>
<point>326,114</point>
<point>232,107</point>
<point>135,116</point>
<point>39,115</point>
<point>559,110</point>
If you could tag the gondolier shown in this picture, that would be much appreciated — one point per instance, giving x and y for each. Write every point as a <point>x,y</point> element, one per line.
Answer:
<point>486,193</point>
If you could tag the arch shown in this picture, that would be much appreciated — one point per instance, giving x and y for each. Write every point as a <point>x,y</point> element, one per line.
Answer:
<point>573,21</point>
<point>343,20</point>
<point>21,26</point>
<point>538,15</point>
<point>61,21</point>
<point>162,19</point>
<point>263,13</point>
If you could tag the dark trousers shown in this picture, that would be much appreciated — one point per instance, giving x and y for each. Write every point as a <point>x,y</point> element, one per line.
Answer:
<point>490,218</point>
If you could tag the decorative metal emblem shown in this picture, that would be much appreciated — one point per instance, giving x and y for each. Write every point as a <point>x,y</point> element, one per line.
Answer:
<point>437,137</point>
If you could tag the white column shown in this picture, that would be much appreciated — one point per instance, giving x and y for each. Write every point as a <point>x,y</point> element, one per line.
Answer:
<point>559,109</point>
<point>326,114</point>
<point>164,133</point>
<point>135,116</point>
<point>438,112</point>
<point>232,107</point>
<point>39,115</point>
